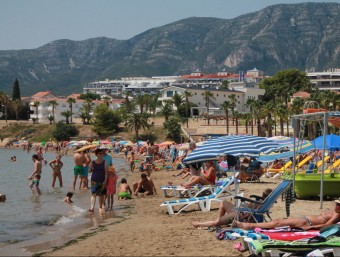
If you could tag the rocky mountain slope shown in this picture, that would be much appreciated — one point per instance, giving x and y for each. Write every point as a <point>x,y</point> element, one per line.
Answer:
<point>304,36</point>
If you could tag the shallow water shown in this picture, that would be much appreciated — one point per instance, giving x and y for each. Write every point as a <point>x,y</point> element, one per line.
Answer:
<point>28,219</point>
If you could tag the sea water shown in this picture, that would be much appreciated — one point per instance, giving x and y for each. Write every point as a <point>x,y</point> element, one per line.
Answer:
<point>29,219</point>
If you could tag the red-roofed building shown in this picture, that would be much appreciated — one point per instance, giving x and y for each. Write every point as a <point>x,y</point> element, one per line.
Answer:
<point>301,94</point>
<point>44,95</point>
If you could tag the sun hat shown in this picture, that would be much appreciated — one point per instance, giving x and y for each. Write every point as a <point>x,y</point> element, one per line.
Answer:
<point>337,200</point>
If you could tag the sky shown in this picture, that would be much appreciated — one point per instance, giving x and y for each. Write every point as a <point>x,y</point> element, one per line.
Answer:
<point>28,24</point>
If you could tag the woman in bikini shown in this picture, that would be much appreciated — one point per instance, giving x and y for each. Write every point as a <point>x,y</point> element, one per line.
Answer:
<point>207,178</point>
<point>307,222</point>
<point>56,166</point>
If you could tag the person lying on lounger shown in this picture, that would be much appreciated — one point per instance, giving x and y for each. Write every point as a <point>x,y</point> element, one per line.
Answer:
<point>226,213</point>
<point>306,222</point>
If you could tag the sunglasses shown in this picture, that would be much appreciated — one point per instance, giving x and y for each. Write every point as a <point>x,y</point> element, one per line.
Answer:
<point>337,204</point>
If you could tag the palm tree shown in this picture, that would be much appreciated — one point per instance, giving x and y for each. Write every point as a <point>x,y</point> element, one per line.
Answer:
<point>154,103</point>
<point>282,112</point>
<point>208,95</point>
<point>258,114</point>
<point>251,102</point>
<point>248,117</point>
<point>127,103</point>
<point>226,106</point>
<point>140,100</point>
<point>167,110</point>
<point>187,94</point>
<point>297,108</point>
<point>237,115</point>
<point>70,102</point>
<point>106,100</point>
<point>66,114</point>
<point>268,110</point>
<point>233,102</point>
<point>225,84</point>
<point>177,100</point>
<point>53,103</point>
<point>36,105</point>
<point>138,121</point>
<point>85,111</point>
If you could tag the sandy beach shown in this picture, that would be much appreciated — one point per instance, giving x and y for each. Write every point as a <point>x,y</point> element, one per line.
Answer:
<point>147,229</point>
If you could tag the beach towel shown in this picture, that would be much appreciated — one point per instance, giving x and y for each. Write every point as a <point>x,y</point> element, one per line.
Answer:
<point>258,246</point>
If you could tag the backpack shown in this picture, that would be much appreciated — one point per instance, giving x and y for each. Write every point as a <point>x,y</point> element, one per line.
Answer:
<point>232,160</point>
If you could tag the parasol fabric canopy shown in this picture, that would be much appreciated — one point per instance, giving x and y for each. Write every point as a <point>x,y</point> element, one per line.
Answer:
<point>332,142</point>
<point>238,145</point>
<point>301,146</point>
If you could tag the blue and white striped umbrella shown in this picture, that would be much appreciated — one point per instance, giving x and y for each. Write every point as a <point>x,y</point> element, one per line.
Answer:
<point>238,145</point>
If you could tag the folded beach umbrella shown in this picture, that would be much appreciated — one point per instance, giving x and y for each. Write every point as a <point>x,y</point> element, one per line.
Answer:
<point>238,145</point>
<point>166,143</point>
<point>86,147</point>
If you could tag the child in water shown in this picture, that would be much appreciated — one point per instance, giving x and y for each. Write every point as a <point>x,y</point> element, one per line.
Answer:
<point>132,161</point>
<point>68,198</point>
<point>111,186</point>
<point>35,184</point>
<point>125,191</point>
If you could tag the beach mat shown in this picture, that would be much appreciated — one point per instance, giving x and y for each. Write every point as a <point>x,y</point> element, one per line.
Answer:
<point>258,246</point>
<point>290,235</point>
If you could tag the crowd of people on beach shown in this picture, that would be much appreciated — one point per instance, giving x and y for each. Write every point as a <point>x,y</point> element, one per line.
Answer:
<point>94,170</point>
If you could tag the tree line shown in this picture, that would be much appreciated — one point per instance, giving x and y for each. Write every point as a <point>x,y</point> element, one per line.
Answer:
<point>271,113</point>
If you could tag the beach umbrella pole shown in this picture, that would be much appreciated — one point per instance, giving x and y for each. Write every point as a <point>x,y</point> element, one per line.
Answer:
<point>325,125</point>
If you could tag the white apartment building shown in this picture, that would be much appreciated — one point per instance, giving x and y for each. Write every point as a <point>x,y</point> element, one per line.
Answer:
<point>44,109</point>
<point>134,85</point>
<point>327,80</point>
<point>243,86</point>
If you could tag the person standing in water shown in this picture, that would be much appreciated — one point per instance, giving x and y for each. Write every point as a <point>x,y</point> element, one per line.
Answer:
<point>36,175</point>
<point>56,166</point>
<point>79,160</point>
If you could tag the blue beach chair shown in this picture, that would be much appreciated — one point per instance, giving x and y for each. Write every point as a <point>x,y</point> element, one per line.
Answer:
<point>260,209</point>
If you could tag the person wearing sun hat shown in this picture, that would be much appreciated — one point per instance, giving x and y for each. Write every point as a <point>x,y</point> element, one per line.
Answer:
<point>107,158</point>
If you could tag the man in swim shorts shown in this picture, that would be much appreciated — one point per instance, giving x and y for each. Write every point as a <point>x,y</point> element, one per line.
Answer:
<point>79,161</point>
<point>145,186</point>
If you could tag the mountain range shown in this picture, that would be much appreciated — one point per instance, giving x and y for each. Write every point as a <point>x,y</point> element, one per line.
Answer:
<point>304,36</point>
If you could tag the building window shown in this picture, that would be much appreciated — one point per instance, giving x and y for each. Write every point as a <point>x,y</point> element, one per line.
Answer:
<point>169,93</point>
<point>195,93</point>
<point>217,95</point>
